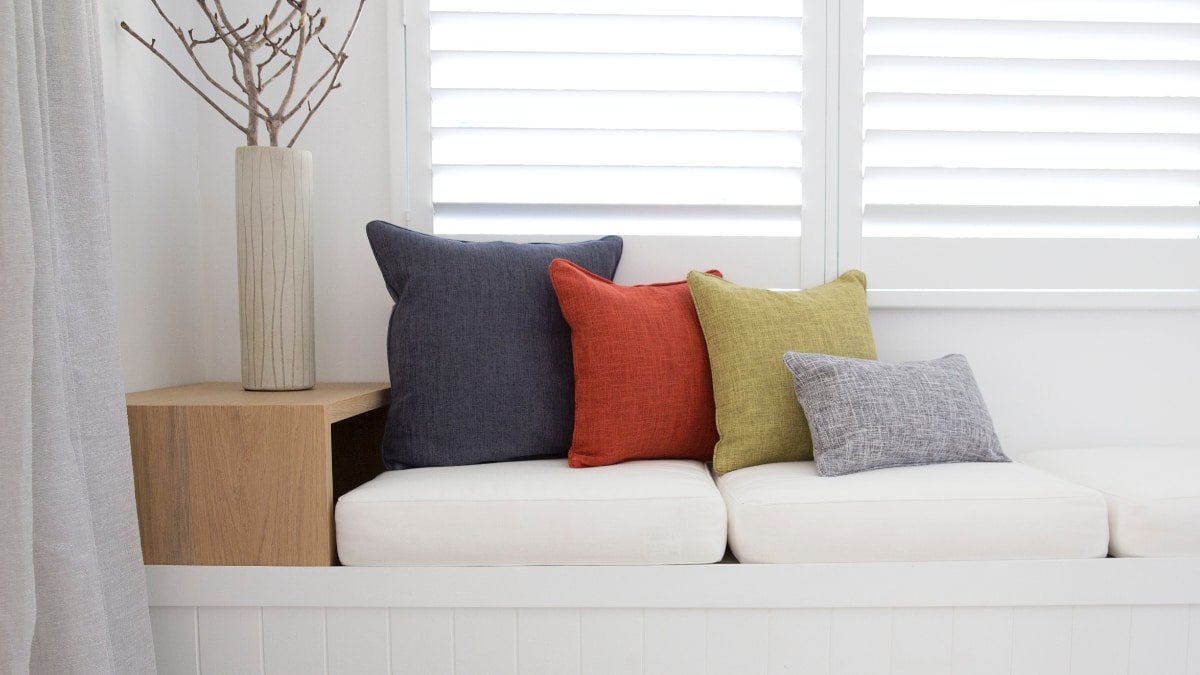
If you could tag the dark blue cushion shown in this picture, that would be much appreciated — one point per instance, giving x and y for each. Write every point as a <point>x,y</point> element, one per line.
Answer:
<point>479,353</point>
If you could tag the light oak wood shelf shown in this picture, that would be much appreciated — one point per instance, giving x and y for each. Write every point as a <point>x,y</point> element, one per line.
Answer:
<point>232,477</point>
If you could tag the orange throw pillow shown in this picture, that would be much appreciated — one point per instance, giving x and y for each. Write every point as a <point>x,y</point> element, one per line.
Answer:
<point>643,389</point>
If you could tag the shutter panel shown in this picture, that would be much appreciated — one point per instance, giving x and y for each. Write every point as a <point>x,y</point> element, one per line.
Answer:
<point>1068,129</point>
<point>660,118</point>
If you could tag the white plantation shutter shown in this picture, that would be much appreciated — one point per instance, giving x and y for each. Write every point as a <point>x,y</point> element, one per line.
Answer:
<point>1031,144</point>
<point>658,120</point>
<point>549,115</point>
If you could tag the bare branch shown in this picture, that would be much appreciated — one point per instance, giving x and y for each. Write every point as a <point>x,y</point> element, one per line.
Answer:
<point>227,33</point>
<point>164,59</point>
<point>233,73</point>
<point>285,32</point>
<point>350,31</point>
<point>282,69</point>
<point>227,36</point>
<point>333,68</point>
<point>303,26</point>
<point>223,18</point>
<point>229,54</point>
<point>280,44</point>
<point>285,22</point>
<point>236,43</point>
<point>191,52</point>
<point>252,38</point>
<point>312,109</point>
<point>274,9</point>
<point>194,41</point>
<point>339,61</point>
<point>317,21</point>
<point>327,47</point>
<point>258,77</point>
<point>216,35</point>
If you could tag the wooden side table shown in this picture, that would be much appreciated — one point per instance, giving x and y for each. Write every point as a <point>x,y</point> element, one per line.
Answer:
<point>232,477</point>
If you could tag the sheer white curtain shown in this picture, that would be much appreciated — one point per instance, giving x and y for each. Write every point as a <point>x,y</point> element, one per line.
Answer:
<point>72,587</point>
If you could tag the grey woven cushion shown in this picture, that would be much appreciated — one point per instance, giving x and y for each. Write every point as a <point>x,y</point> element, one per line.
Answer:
<point>479,352</point>
<point>870,415</point>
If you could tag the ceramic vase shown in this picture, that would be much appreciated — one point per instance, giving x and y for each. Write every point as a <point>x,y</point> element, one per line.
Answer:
<point>275,268</point>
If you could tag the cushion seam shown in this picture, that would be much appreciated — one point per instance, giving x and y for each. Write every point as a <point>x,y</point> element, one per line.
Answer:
<point>1129,498</point>
<point>528,501</point>
<point>923,499</point>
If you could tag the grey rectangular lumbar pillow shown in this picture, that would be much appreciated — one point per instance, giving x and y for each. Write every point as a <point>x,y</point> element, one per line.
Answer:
<point>871,415</point>
<point>478,350</point>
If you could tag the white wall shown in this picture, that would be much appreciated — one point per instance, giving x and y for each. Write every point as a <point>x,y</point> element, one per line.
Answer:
<point>157,257</point>
<point>1066,378</point>
<point>1052,378</point>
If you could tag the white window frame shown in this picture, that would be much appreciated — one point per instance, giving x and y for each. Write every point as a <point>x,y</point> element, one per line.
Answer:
<point>832,213</point>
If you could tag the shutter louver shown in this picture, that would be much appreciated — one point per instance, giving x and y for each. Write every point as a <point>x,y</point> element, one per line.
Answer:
<point>650,118</point>
<point>1031,120</point>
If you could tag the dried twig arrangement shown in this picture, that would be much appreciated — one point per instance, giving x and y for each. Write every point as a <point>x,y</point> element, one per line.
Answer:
<point>260,54</point>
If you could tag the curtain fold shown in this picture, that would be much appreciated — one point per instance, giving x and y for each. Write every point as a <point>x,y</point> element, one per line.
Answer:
<point>72,587</point>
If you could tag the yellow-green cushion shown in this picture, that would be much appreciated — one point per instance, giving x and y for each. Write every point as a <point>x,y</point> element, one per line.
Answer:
<point>748,330</point>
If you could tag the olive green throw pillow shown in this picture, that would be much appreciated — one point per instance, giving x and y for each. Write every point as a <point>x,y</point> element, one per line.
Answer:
<point>748,330</point>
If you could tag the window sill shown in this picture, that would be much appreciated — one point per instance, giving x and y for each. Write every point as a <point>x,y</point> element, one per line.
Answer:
<point>1033,299</point>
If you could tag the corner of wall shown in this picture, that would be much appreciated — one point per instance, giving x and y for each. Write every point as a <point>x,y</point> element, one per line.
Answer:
<point>152,149</point>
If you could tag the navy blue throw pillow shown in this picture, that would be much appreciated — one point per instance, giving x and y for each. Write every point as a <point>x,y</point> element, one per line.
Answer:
<point>478,351</point>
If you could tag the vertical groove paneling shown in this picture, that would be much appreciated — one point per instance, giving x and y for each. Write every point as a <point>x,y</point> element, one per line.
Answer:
<point>1193,657</point>
<point>676,641</point>
<point>860,641</point>
<point>293,640</point>
<point>357,640</point>
<point>548,641</point>
<point>1041,640</point>
<point>422,641</point>
<point>611,641</point>
<point>982,642</point>
<point>274,186</point>
<point>175,645</point>
<point>1158,637</point>
<point>799,641</point>
<point>737,641</point>
<point>1100,640</point>
<point>230,640</point>
<point>922,638</point>
<point>1139,640</point>
<point>485,641</point>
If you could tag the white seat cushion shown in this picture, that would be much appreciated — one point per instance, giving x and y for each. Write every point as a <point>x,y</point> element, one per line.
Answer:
<point>1153,494</point>
<point>537,512</point>
<point>786,513</point>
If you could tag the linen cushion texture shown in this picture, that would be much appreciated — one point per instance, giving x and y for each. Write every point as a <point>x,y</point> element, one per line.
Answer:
<point>478,352</point>
<point>540,512</point>
<point>643,389</point>
<point>747,331</point>
<point>786,513</point>
<point>867,415</point>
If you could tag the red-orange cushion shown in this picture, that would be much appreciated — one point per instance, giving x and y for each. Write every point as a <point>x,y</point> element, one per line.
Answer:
<point>643,389</point>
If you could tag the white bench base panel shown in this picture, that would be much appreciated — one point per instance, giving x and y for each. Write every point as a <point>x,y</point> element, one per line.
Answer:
<point>1087,616</point>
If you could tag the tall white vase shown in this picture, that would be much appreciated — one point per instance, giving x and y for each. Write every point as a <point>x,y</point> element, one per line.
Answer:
<point>275,268</point>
